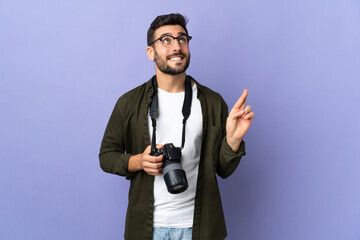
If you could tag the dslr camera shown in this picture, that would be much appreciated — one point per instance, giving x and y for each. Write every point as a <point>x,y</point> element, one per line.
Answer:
<point>174,175</point>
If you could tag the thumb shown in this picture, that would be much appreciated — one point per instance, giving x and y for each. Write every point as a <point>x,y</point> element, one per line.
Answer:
<point>159,145</point>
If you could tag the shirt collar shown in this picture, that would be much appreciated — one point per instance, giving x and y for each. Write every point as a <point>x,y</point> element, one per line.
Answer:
<point>150,89</point>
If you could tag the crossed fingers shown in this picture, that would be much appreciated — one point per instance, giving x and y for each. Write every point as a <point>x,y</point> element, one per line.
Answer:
<point>239,109</point>
<point>240,103</point>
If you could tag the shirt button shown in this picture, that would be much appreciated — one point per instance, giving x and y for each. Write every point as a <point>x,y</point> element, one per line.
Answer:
<point>144,124</point>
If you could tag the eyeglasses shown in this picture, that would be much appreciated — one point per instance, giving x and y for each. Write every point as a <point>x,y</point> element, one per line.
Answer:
<point>168,40</point>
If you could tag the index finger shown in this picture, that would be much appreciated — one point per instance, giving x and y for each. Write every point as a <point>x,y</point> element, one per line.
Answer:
<point>242,100</point>
<point>154,159</point>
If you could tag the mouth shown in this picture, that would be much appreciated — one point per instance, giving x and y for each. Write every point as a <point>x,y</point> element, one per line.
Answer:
<point>176,58</point>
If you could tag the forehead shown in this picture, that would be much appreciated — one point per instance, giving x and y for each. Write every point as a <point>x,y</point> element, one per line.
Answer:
<point>173,30</point>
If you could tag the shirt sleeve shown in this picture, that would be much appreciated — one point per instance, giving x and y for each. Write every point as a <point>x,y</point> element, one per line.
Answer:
<point>113,157</point>
<point>228,159</point>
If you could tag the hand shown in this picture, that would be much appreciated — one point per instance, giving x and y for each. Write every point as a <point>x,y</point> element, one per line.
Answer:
<point>150,164</point>
<point>238,122</point>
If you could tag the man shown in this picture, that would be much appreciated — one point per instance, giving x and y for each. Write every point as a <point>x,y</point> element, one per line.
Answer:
<point>212,142</point>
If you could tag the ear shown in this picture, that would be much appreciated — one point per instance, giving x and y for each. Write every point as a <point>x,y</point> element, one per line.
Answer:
<point>150,53</point>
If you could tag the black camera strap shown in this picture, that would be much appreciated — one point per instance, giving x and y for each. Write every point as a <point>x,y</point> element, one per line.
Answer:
<point>186,109</point>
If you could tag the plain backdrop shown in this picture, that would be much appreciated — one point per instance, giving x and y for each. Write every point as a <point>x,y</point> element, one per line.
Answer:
<point>63,65</point>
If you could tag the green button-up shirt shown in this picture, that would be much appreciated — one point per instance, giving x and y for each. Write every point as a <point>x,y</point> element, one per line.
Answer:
<point>127,134</point>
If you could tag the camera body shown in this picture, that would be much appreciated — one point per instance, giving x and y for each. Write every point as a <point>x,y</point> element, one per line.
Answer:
<point>174,175</point>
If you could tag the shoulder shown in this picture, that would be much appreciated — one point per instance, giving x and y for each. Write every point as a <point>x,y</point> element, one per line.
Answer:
<point>134,93</point>
<point>209,94</point>
<point>134,97</point>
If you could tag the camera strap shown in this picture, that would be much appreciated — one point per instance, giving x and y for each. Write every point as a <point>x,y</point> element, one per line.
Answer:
<point>186,109</point>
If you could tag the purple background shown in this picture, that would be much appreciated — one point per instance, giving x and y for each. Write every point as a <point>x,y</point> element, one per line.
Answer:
<point>63,64</point>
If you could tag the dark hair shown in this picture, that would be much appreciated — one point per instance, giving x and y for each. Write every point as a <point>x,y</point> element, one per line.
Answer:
<point>162,20</point>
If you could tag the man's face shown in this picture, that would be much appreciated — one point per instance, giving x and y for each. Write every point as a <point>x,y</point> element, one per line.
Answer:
<point>171,60</point>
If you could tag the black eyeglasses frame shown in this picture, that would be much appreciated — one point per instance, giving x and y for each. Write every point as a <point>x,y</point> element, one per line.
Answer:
<point>175,38</point>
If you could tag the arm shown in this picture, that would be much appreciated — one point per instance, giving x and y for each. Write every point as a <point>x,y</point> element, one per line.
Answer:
<point>113,157</point>
<point>237,124</point>
<point>113,154</point>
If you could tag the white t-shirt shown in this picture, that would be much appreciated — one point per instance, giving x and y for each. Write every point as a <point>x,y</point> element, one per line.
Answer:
<point>177,210</point>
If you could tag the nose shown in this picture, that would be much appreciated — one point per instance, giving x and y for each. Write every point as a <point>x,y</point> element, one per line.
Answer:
<point>176,46</point>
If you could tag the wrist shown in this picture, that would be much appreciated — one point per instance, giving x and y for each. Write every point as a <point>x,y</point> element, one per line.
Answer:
<point>233,143</point>
<point>135,163</point>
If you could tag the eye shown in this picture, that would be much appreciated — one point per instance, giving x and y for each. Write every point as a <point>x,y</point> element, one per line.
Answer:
<point>166,40</point>
<point>183,39</point>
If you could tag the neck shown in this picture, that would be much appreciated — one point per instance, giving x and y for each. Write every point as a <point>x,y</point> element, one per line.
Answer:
<point>171,83</point>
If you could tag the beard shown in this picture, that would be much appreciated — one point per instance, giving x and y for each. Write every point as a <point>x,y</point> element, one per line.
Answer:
<point>165,68</point>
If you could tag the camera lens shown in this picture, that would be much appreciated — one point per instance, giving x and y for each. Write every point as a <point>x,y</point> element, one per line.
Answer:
<point>174,177</point>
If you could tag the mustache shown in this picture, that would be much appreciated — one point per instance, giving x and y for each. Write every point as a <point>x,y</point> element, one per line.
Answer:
<point>176,54</point>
